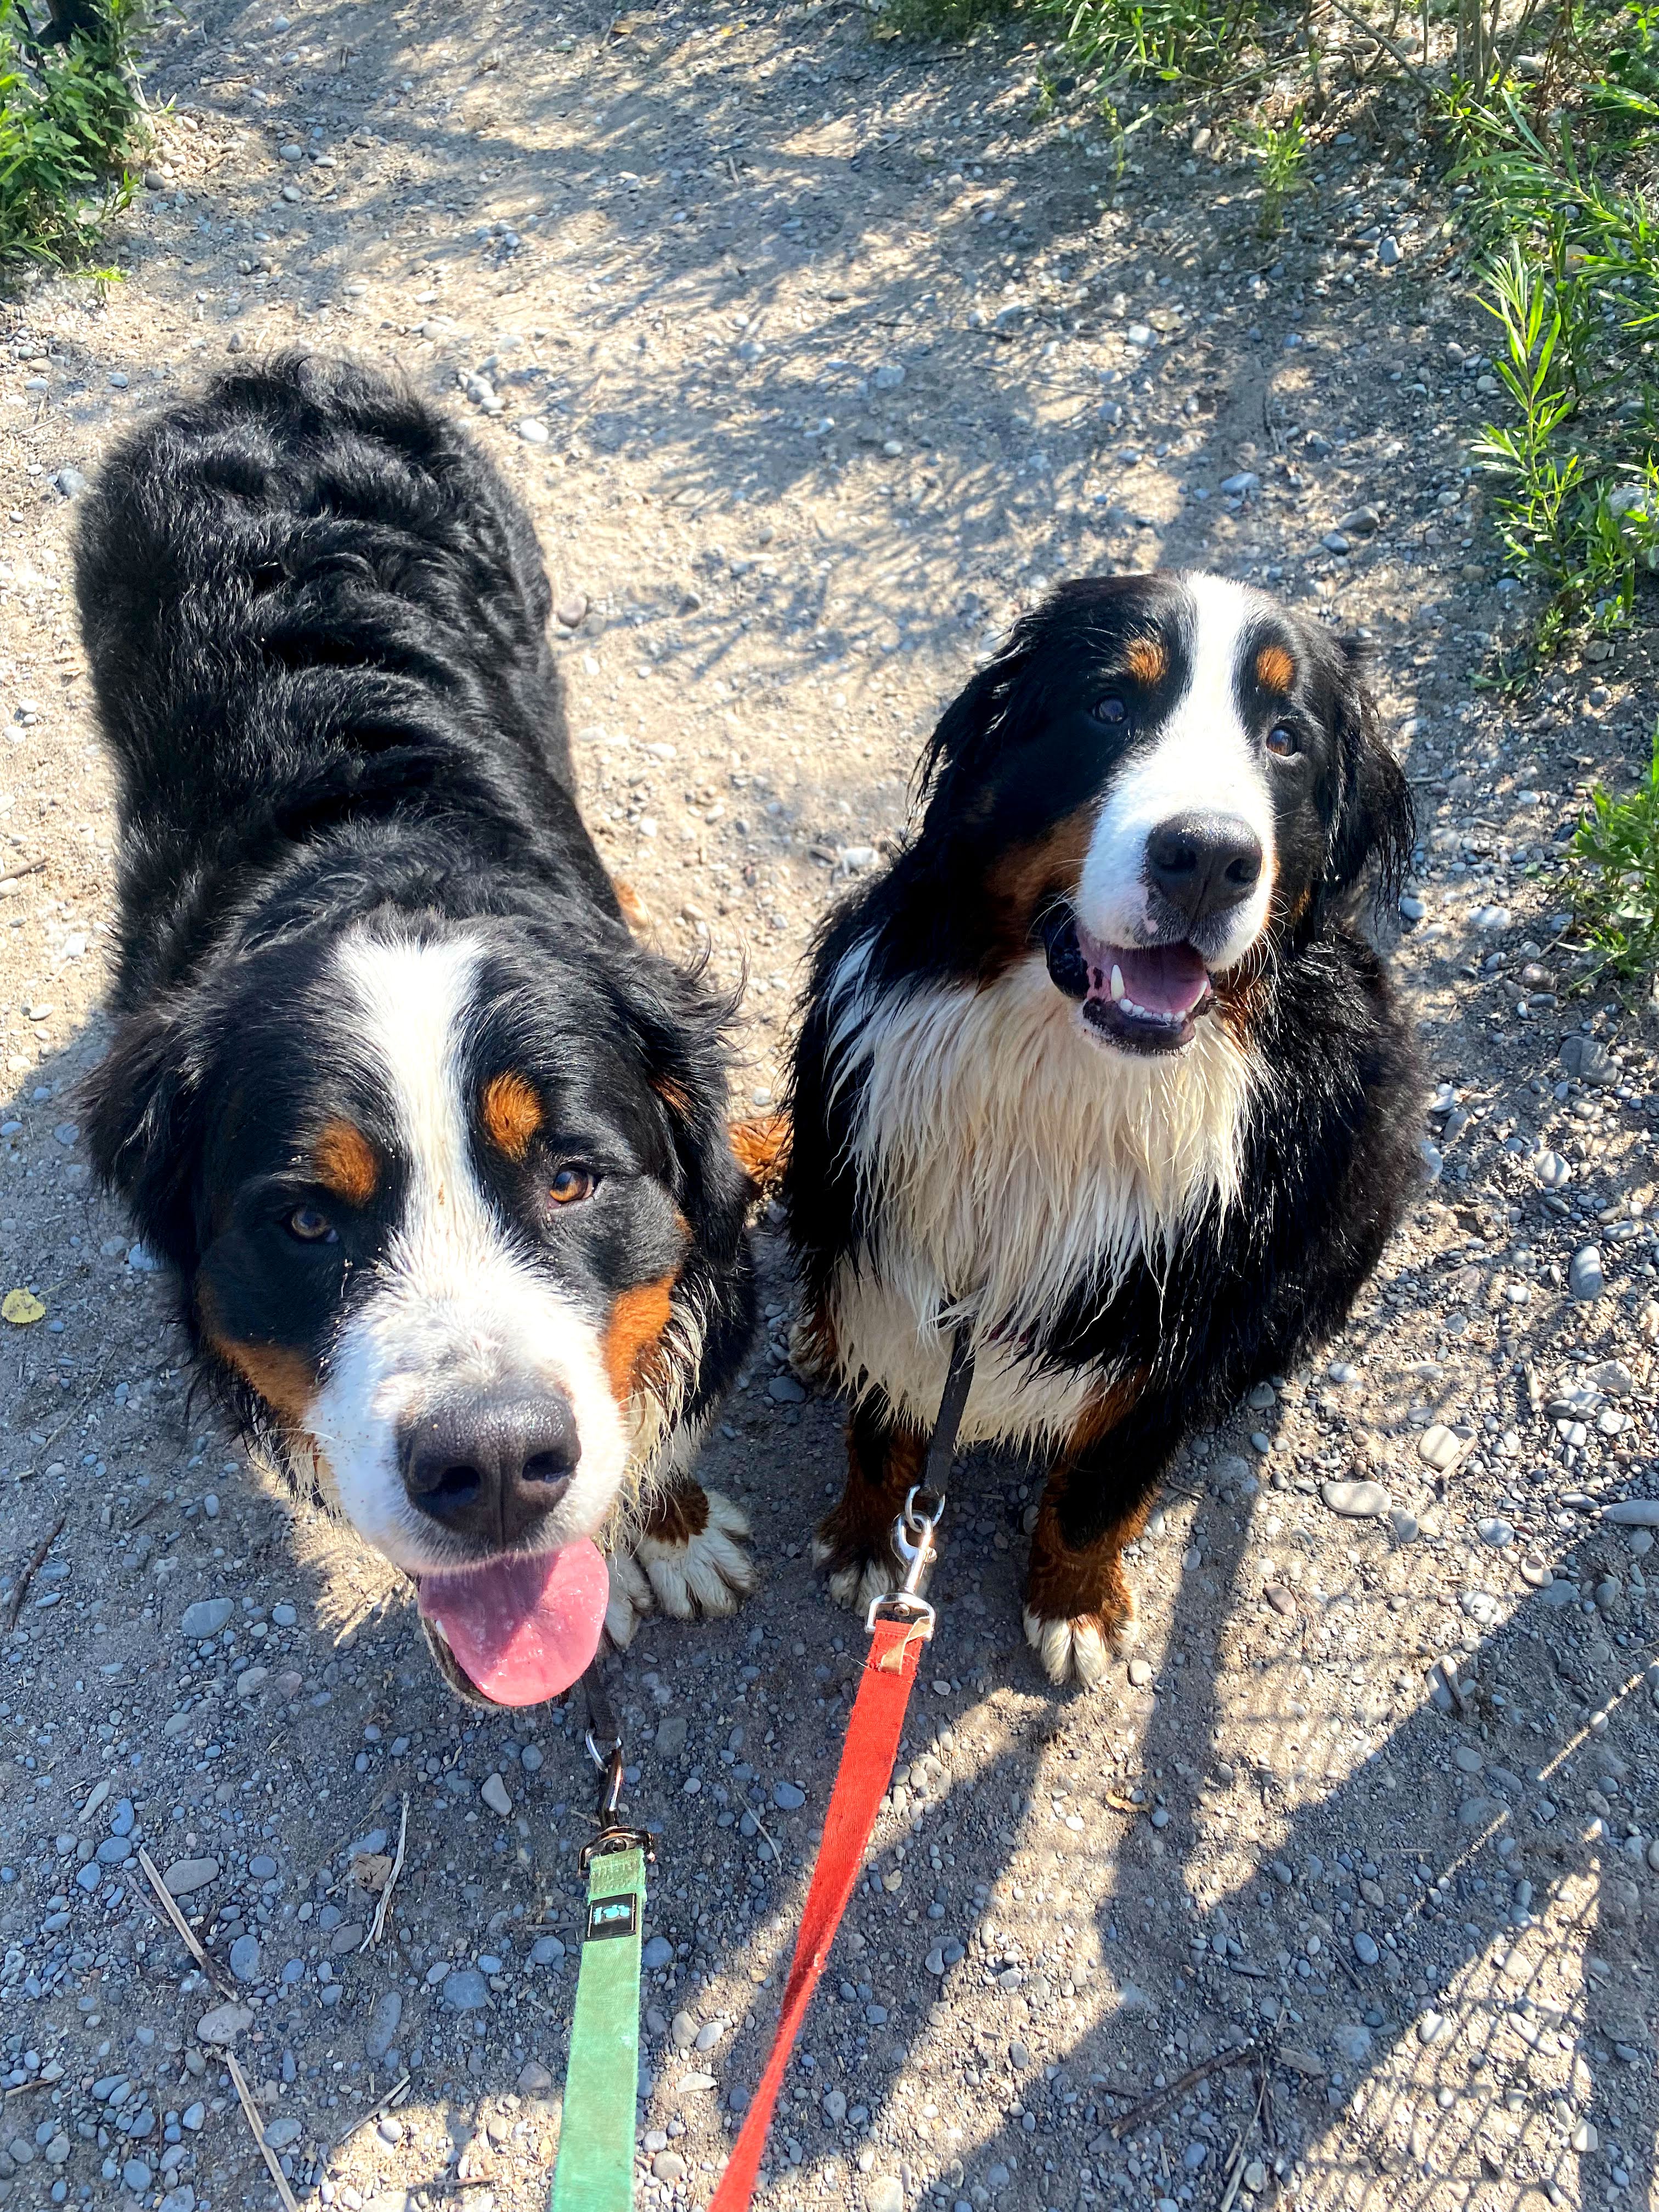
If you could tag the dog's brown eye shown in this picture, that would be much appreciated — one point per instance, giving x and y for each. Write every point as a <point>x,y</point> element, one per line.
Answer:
<point>570,1186</point>
<point>1110,709</point>
<point>310,1224</point>
<point>1282,741</point>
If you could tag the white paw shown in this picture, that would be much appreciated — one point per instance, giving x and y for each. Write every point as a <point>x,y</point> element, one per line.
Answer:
<point>1070,1650</point>
<point>629,1603</point>
<point>857,1588</point>
<point>708,1573</point>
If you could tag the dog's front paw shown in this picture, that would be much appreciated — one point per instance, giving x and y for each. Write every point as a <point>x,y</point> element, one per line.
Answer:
<point>699,1570</point>
<point>861,1566</point>
<point>629,1599</point>
<point>1080,1649</point>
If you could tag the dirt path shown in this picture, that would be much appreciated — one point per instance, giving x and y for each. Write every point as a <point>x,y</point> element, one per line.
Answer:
<point>814,358</point>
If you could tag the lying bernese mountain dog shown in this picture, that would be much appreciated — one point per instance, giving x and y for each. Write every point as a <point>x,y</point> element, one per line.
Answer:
<point>437,1150</point>
<point>1101,1069</point>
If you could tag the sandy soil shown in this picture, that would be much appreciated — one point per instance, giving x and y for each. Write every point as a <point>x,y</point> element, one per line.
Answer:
<point>814,358</point>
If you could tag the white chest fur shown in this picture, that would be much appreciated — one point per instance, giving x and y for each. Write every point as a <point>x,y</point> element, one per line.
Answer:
<point>1007,1158</point>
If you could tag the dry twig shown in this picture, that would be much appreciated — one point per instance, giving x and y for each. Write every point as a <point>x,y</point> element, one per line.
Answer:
<point>394,2095</point>
<point>36,1559</point>
<point>378,1927</point>
<point>258,2128</point>
<point>181,1926</point>
<point>1234,2055</point>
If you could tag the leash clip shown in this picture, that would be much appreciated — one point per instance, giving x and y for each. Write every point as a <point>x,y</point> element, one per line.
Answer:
<point>613,1836</point>
<point>913,1539</point>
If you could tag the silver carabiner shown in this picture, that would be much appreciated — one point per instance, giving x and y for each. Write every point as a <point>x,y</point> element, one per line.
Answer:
<point>913,1540</point>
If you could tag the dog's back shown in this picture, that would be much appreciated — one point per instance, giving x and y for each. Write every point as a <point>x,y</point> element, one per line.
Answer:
<point>309,601</point>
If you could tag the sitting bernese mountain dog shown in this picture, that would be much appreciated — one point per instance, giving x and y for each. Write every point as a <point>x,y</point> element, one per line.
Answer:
<point>1101,1070</point>
<point>437,1150</point>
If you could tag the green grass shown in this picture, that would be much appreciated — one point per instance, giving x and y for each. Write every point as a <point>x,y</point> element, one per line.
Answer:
<point>70,121</point>
<point>1572,281</point>
<point>1616,879</point>
<point>1282,150</point>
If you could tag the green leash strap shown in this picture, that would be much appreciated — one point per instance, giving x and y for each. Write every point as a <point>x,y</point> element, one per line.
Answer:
<point>595,2170</point>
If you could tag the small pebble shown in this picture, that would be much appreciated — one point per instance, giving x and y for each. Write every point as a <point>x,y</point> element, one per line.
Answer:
<point>184,1876</point>
<point>207,1616</point>
<point>659,1953</point>
<point>788,1797</point>
<point>494,1793</point>
<point>1439,1447</point>
<point>1585,1276</point>
<point>464,1990</point>
<point>1355,1501</point>
<point>1632,1513</point>
<point>1495,1531</point>
<point>1588,1059</point>
<point>1365,1948</point>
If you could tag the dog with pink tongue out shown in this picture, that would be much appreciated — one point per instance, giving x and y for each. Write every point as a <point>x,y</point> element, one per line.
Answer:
<point>433,1145</point>
<point>1103,1070</point>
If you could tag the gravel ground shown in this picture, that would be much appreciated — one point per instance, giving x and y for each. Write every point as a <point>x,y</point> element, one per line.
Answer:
<point>813,359</point>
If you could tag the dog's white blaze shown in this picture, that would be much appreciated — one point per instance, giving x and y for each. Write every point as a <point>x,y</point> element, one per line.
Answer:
<point>1008,1160</point>
<point>454,1303</point>
<point>1203,758</point>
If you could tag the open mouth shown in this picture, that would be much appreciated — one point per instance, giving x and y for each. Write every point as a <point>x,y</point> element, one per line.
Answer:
<point>1146,997</point>
<point>517,1631</point>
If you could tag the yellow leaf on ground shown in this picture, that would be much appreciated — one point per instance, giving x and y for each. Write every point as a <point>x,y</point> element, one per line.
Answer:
<point>20,1307</point>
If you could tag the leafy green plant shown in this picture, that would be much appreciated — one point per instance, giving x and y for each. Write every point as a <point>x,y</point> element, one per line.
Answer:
<point>1616,884</point>
<point>1282,151</point>
<point>1203,41</point>
<point>72,116</point>
<point>1574,291</point>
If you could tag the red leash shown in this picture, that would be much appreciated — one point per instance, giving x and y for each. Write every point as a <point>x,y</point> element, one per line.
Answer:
<point>900,1626</point>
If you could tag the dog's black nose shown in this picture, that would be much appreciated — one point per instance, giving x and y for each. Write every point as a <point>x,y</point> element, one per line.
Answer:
<point>1203,864</point>
<point>491,1468</point>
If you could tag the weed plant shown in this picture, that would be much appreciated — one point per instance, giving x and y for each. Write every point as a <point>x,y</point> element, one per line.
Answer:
<point>71,118</point>
<point>1282,151</point>
<point>1616,890</point>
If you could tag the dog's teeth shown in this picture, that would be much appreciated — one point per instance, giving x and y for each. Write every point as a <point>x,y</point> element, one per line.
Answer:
<point>1117,980</point>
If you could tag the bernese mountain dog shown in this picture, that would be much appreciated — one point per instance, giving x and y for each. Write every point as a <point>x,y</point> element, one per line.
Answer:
<point>1103,1070</point>
<point>436,1148</point>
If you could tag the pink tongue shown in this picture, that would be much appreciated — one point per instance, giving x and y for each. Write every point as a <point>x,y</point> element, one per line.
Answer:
<point>522,1628</point>
<point>1166,979</point>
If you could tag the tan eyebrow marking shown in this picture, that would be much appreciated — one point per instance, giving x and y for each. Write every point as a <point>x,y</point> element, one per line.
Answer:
<point>342,1160</point>
<point>512,1114</point>
<point>1147,661</point>
<point>1274,668</point>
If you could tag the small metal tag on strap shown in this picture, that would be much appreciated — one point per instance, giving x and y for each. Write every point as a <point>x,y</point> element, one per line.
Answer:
<point>595,2169</point>
<point>900,1625</point>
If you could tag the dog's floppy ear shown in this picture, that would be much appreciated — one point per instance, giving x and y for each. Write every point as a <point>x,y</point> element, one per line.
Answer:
<point>1374,828</point>
<point>971,718</point>
<point>678,1023</point>
<point>142,1105</point>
